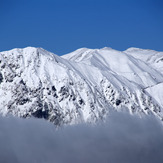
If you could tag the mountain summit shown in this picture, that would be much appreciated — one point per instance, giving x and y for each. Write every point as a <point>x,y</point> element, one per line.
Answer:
<point>84,85</point>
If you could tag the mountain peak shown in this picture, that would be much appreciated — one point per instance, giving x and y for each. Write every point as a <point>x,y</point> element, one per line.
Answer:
<point>106,48</point>
<point>134,49</point>
<point>28,49</point>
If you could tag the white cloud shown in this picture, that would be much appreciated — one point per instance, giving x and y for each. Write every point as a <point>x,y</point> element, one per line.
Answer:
<point>121,139</point>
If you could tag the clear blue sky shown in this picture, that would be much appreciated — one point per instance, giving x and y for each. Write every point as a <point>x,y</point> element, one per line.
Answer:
<point>62,26</point>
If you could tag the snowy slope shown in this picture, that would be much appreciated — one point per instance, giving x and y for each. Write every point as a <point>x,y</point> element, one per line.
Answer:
<point>84,85</point>
<point>121,63</point>
<point>153,58</point>
<point>156,92</point>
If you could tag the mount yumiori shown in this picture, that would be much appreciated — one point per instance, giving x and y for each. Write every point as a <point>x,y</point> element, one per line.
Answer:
<point>82,86</point>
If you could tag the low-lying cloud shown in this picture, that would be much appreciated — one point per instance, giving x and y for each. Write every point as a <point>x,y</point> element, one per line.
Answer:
<point>121,139</point>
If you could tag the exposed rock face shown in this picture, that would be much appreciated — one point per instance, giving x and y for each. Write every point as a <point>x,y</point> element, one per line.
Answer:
<point>81,86</point>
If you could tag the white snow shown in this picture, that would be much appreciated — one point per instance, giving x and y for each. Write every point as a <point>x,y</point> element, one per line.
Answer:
<point>88,82</point>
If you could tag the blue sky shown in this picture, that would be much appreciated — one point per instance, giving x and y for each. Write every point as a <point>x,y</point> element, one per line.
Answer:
<point>62,26</point>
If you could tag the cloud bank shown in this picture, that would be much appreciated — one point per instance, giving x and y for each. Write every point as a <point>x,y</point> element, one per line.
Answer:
<point>121,139</point>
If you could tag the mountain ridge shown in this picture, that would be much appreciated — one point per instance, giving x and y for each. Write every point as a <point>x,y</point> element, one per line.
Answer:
<point>84,85</point>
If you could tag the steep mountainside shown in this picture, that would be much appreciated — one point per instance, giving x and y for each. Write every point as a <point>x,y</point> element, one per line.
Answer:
<point>84,85</point>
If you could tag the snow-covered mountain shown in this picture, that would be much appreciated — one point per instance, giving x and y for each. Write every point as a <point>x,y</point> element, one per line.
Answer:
<point>84,85</point>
